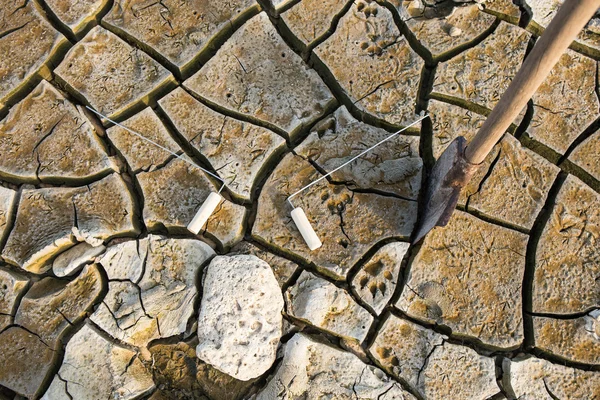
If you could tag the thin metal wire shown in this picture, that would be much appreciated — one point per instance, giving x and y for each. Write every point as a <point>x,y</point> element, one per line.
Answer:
<point>159,146</point>
<point>289,199</point>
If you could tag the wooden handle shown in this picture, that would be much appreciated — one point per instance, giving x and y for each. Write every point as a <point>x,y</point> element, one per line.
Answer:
<point>568,22</point>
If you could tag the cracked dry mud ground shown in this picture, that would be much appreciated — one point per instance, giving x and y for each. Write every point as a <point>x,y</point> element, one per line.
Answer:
<point>104,293</point>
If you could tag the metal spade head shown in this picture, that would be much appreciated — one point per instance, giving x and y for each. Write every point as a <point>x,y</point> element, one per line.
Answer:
<point>449,175</point>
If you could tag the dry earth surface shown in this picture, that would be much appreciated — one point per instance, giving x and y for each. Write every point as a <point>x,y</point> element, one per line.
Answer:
<point>104,293</point>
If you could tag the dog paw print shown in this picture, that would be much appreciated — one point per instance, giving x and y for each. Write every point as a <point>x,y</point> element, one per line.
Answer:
<point>367,7</point>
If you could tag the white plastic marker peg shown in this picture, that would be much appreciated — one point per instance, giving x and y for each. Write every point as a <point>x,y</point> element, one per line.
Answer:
<point>213,199</point>
<point>205,211</point>
<point>308,233</point>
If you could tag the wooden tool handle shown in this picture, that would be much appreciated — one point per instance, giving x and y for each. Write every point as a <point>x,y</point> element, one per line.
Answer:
<point>568,22</point>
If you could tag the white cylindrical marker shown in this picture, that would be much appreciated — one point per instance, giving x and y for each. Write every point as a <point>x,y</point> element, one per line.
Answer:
<point>205,211</point>
<point>308,233</point>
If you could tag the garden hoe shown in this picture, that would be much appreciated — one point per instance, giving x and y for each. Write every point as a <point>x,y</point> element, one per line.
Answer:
<point>458,162</point>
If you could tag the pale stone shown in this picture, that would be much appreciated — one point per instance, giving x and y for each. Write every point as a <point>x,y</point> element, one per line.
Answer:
<point>440,32</point>
<point>586,155</point>
<point>12,287</point>
<point>283,269</point>
<point>348,223</point>
<point>573,339</point>
<point>565,103</point>
<point>173,194</point>
<point>403,349</point>
<point>385,72</point>
<point>516,189</point>
<point>567,260</point>
<point>50,308</point>
<point>45,137</point>
<point>458,372</point>
<point>47,217</point>
<point>394,167</point>
<point>506,9</point>
<point>95,368</point>
<point>312,370</point>
<point>182,375</point>
<point>376,281</point>
<point>77,15</point>
<point>177,30</point>
<point>322,304</point>
<point>161,303</point>
<point>28,44</point>
<point>126,261</point>
<point>139,153</point>
<point>535,379</point>
<point>468,276</point>
<point>543,11</point>
<point>7,201</point>
<point>25,361</point>
<point>481,74</point>
<point>256,74</point>
<point>110,74</point>
<point>75,258</point>
<point>309,20</point>
<point>240,320</point>
<point>237,150</point>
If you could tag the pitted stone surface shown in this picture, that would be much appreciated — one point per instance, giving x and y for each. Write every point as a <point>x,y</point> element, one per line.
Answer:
<point>522,178</point>
<point>158,304</point>
<point>110,74</point>
<point>394,167</point>
<point>468,276</point>
<point>283,269</point>
<point>586,155</point>
<point>139,153</point>
<point>385,72</point>
<point>322,304</point>
<point>50,220</point>
<point>181,375</point>
<point>565,103</point>
<point>174,193</point>
<point>437,34</point>
<point>25,361</point>
<point>309,20</point>
<point>12,287</point>
<point>313,370</point>
<point>46,137</point>
<point>77,15</point>
<point>567,261</point>
<point>177,30</point>
<point>7,199</point>
<point>535,379</point>
<point>240,320</point>
<point>403,348</point>
<point>49,308</point>
<point>328,208</point>
<point>376,281</point>
<point>96,368</point>
<point>481,74</point>
<point>256,74</point>
<point>237,150</point>
<point>27,43</point>
<point>573,339</point>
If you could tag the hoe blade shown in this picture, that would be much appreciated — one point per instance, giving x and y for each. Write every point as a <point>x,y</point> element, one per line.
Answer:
<point>449,175</point>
